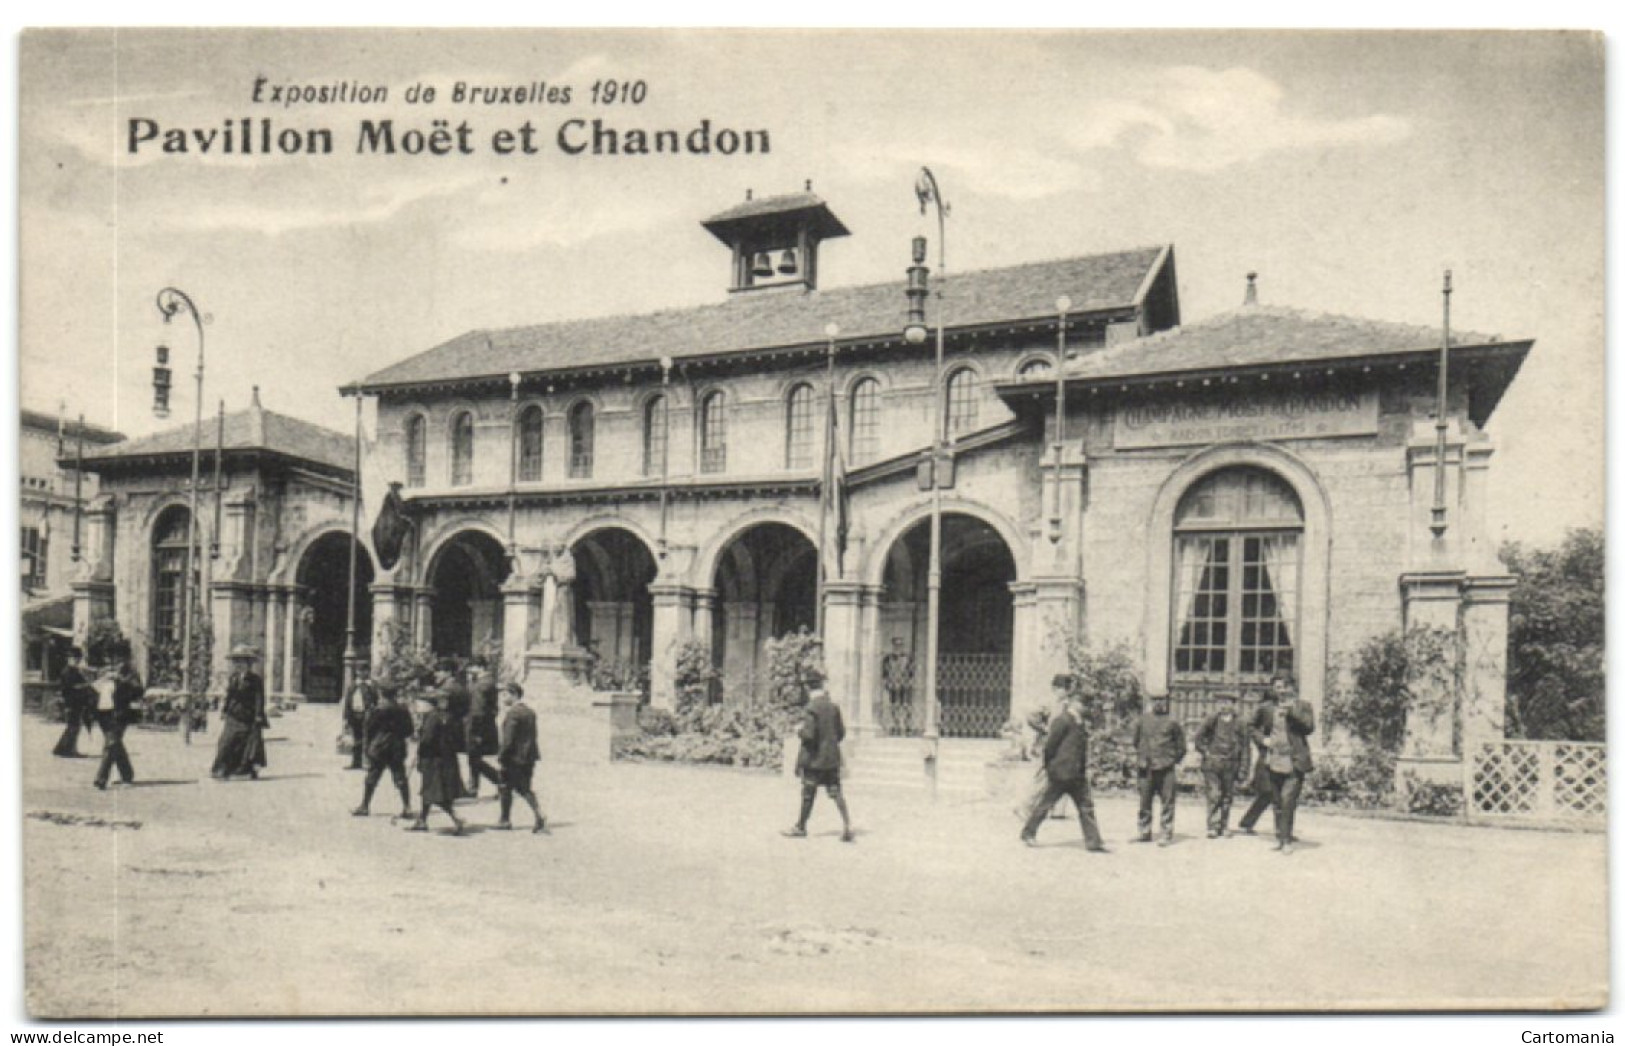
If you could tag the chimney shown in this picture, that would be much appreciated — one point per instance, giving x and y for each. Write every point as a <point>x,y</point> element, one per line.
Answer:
<point>1252,289</point>
<point>256,401</point>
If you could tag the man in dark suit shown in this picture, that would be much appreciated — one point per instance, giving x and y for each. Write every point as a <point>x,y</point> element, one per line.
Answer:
<point>1258,729</point>
<point>358,706</point>
<point>1066,764</point>
<point>819,764</point>
<point>1287,756</point>
<point>117,693</point>
<point>518,755</point>
<point>1159,746</point>
<point>78,699</point>
<point>384,737</point>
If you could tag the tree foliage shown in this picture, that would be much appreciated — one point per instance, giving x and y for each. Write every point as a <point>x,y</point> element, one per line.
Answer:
<point>1555,677</point>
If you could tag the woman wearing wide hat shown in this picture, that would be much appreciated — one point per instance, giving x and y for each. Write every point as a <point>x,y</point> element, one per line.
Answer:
<point>241,749</point>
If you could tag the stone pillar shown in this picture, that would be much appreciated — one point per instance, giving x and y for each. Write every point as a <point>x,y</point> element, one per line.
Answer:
<point>870,651</point>
<point>292,630</point>
<point>704,606</point>
<point>386,599</point>
<point>739,646</point>
<point>843,644</point>
<point>1484,613</point>
<point>1432,600</point>
<point>423,619</point>
<point>93,589</point>
<point>1429,552</point>
<point>606,627</point>
<point>516,604</point>
<point>1025,642</point>
<point>673,620</point>
<point>276,643</point>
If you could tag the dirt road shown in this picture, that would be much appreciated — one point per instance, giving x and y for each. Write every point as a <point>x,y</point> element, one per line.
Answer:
<point>669,889</point>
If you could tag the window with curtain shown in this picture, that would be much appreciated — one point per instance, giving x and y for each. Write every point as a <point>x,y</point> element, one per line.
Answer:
<point>713,433</point>
<point>416,446</point>
<point>169,575</point>
<point>462,449</point>
<point>654,436</point>
<point>1237,549</point>
<point>865,426</point>
<point>36,550</point>
<point>581,434</point>
<point>530,444</point>
<point>798,428</point>
<point>962,390</point>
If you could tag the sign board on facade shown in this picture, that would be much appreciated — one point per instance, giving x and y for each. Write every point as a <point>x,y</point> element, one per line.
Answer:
<point>1284,415</point>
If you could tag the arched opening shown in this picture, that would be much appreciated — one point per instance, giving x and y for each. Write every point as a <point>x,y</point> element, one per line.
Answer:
<point>975,629</point>
<point>167,619</point>
<point>1237,566</point>
<point>465,581</point>
<point>614,614</point>
<point>326,594</point>
<point>767,586</point>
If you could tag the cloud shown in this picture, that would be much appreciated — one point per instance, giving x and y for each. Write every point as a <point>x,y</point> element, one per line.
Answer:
<point>1198,119</point>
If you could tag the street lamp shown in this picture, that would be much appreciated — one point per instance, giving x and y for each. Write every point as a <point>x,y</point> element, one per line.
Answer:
<point>170,301</point>
<point>1063,305</point>
<point>927,191</point>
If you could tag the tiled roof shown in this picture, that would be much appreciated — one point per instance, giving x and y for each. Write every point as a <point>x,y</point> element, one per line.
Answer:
<point>776,319</point>
<point>1257,335</point>
<point>246,430</point>
<point>39,420</point>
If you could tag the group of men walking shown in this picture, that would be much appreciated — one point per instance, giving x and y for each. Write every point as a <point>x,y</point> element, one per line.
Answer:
<point>454,721</point>
<point>1278,729</point>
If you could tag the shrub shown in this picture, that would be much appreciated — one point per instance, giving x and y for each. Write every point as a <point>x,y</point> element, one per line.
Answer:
<point>745,734</point>
<point>795,665</point>
<point>694,677</point>
<point>1112,696</point>
<point>1433,798</point>
<point>1556,686</point>
<point>1364,779</point>
<point>404,665</point>
<point>104,639</point>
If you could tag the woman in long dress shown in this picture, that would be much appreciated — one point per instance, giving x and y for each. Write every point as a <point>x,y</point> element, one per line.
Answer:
<point>442,778</point>
<point>241,749</point>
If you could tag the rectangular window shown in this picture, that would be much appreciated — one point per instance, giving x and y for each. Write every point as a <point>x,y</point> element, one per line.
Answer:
<point>35,550</point>
<point>170,571</point>
<point>1235,606</point>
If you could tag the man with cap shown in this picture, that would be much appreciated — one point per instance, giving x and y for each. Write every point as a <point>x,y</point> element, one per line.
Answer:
<point>118,690</point>
<point>78,699</point>
<point>518,756</point>
<point>241,748</point>
<point>1159,747</point>
<point>819,763</point>
<point>1066,764</point>
<point>1222,742</point>
<point>384,737</point>
<point>1258,729</point>
<point>358,705</point>
<point>1287,756</point>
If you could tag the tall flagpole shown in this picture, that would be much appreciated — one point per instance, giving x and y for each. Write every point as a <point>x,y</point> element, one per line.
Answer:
<point>355,545</point>
<point>1440,424</point>
<point>78,485</point>
<point>825,495</point>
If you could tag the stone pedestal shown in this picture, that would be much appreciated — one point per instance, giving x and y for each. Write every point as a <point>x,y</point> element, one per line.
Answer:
<point>552,671</point>
<point>843,645</point>
<point>1432,601</point>
<point>673,613</point>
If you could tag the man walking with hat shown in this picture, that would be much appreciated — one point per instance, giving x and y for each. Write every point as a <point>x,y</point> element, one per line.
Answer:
<point>1066,764</point>
<point>78,699</point>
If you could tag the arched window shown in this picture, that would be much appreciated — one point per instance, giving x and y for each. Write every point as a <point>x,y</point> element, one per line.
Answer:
<point>1237,544</point>
<point>581,423</point>
<point>1037,367</point>
<point>654,436</point>
<point>416,446</point>
<point>798,428</point>
<point>530,444</point>
<point>169,575</point>
<point>865,421</point>
<point>462,449</point>
<point>713,433</point>
<point>962,395</point>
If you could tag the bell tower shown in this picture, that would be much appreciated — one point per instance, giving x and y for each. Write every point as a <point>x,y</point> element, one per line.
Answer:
<point>775,239</point>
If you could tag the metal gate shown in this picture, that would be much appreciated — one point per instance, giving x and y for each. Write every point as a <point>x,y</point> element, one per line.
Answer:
<point>974,690</point>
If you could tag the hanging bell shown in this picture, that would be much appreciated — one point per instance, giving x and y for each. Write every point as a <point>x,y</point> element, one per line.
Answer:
<point>763,266</point>
<point>787,262</point>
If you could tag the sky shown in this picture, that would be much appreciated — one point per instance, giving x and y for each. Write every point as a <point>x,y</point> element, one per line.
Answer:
<point>1348,170</point>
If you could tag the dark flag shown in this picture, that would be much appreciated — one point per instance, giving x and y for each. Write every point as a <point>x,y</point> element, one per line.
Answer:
<point>389,530</point>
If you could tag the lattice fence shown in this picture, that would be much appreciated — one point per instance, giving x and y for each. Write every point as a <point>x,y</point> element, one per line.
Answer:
<point>975,693</point>
<point>1538,781</point>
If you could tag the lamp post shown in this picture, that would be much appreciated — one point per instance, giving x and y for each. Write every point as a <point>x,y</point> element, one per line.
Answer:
<point>350,653</point>
<point>926,189</point>
<point>514,438</point>
<point>1063,305</point>
<point>172,300</point>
